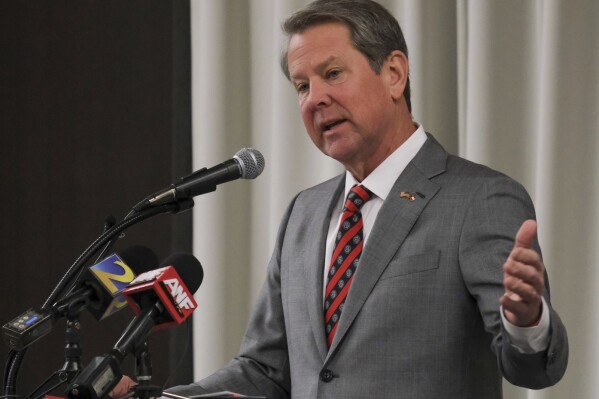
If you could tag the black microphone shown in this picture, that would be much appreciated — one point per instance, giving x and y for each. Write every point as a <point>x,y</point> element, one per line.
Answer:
<point>101,286</point>
<point>155,295</point>
<point>161,298</point>
<point>98,290</point>
<point>247,163</point>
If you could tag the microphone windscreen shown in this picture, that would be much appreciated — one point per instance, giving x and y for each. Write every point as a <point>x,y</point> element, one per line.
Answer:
<point>139,258</point>
<point>251,162</point>
<point>188,267</point>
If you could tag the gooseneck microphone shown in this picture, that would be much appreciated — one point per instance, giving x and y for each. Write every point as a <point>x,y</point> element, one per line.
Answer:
<point>247,163</point>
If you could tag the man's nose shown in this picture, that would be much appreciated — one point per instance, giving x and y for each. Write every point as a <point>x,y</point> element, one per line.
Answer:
<point>319,94</point>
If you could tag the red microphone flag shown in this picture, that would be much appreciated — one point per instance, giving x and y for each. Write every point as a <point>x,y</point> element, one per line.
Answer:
<point>169,289</point>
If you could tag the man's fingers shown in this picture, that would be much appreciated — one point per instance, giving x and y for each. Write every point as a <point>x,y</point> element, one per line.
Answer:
<point>519,289</point>
<point>520,313</point>
<point>513,309</point>
<point>530,274</point>
<point>526,278</point>
<point>122,387</point>
<point>523,279</point>
<point>526,234</point>
<point>525,256</point>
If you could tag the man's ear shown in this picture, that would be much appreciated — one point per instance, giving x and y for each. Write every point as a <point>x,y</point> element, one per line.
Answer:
<point>398,68</point>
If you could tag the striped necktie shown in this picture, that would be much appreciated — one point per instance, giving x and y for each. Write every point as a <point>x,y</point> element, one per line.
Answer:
<point>346,255</point>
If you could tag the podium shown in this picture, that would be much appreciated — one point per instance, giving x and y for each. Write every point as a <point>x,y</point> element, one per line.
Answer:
<point>214,395</point>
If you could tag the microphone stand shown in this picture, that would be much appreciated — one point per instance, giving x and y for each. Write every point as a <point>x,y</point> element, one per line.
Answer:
<point>15,358</point>
<point>71,308</point>
<point>143,373</point>
<point>72,366</point>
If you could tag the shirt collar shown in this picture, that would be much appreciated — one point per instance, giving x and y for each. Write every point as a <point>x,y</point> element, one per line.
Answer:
<point>381,180</point>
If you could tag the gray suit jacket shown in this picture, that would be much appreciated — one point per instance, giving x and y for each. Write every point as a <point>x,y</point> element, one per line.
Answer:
<point>421,319</point>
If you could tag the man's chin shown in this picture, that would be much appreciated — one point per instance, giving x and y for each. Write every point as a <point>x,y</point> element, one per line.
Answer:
<point>340,153</point>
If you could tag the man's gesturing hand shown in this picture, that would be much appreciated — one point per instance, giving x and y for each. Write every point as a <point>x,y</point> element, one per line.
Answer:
<point>523,279</point>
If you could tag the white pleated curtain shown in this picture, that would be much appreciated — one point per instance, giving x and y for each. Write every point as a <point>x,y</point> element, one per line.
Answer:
<point>513,84</point>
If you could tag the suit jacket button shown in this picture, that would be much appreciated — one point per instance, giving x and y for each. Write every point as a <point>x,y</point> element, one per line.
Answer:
<point>326,375</point>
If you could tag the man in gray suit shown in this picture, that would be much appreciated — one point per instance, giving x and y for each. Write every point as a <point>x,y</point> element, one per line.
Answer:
<point>446,290</point>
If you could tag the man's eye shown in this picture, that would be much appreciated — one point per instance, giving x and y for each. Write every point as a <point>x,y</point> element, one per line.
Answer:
<point>334,73</point>
<point>301,87</point>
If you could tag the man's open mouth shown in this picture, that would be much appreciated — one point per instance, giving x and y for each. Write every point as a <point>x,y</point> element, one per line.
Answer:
<point>331,125</point>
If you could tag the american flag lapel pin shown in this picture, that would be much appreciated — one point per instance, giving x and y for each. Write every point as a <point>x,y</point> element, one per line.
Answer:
<point>409,196</point>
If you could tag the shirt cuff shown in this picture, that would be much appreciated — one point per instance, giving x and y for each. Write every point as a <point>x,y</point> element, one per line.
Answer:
<point>529,339</point>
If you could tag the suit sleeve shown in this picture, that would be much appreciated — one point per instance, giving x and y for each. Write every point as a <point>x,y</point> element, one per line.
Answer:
<point>262,366</point>
<point>495,213</point>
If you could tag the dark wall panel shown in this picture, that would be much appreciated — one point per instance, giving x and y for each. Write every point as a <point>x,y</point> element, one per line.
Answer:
<point>95,115</point>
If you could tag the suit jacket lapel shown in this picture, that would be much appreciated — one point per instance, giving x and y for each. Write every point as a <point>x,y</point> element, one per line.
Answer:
<point>324,202</point>
<point>393,223</point>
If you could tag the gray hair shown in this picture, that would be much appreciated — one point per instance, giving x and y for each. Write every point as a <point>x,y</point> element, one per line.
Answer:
<point>374,31</point>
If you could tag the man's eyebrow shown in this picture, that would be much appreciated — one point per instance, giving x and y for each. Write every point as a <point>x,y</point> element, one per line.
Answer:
<point>320,66</point>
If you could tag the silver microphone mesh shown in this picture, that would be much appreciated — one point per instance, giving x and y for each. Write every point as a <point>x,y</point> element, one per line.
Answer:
<point>251,162</point>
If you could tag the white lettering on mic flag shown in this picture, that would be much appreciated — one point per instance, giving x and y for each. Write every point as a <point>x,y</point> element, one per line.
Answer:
<point>178,294</point>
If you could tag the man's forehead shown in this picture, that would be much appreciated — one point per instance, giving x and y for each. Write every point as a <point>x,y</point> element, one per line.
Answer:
<point>318,46</point>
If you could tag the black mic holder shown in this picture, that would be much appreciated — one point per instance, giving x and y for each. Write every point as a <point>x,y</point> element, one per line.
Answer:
<point>104,372</point>
<point>174,195</point>
<point>72,366</point>
<point>143,374</point>
<point>71,306</point>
